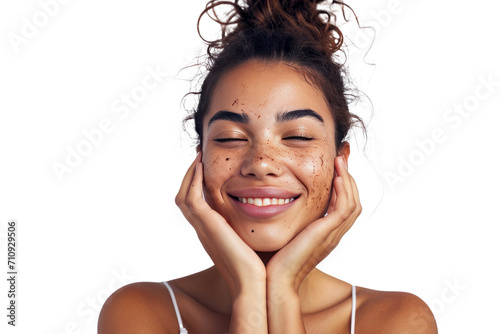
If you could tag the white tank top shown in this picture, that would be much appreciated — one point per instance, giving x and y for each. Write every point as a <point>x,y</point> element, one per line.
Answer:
<point>184,331</point>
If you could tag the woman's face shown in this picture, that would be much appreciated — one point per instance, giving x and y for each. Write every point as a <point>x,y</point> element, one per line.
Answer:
<point>268,153</point>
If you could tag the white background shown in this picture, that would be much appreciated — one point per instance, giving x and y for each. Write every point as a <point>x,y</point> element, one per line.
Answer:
<point>112,220</point>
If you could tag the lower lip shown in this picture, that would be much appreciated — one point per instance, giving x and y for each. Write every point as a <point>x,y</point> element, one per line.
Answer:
<point>262,211</point>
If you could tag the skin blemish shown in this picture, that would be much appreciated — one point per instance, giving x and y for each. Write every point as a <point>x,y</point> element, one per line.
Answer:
<point>252,231</point>
<point>235,102</point>
<point>227,159</point>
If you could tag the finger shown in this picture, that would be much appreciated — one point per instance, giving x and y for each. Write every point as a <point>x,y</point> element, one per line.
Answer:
<point>356,195</point>
<point>194,197</point>
<point>342,171</point>
<point>352,189</point>
<point>356,211</point>
<point>340,209</point>
<point>186,181</point>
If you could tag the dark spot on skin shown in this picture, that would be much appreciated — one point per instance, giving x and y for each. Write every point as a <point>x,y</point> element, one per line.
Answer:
<point>321,158</point>
<point>258,117</point>
<point>252,231</point>
<point>227,159</point>
<point>235,102</point>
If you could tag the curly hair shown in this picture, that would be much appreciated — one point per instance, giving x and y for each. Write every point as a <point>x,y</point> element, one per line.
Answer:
<point>294,32</point>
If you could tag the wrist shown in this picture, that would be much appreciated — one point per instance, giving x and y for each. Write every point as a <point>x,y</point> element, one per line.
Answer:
<point>249,311</point>
<point>249,291</point>
<point>284,311</point>
<point>282,285</point>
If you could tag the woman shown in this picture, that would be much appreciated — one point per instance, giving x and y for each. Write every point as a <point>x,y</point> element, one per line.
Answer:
<point>269,193</point>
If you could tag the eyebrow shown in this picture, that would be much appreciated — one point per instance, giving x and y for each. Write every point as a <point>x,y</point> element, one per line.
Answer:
<point>229,116</point>
<point>281,117</point>
<point>295,114</point>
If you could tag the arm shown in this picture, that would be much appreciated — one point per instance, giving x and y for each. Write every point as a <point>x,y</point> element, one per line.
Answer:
<point>411,315</point>
<point>249,312</point>
<point>242,269</point>
<point>284,311</point>
<point>289,266</point>
<point>131,310</point>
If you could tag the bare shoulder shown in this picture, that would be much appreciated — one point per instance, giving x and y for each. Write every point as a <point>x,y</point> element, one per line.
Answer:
<point>387,312</point>
<point>138,308</point>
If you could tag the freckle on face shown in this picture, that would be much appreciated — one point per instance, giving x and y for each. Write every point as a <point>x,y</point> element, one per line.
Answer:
<point>307,171</point>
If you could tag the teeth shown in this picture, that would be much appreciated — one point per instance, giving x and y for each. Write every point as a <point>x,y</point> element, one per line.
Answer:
<point>265,201</point>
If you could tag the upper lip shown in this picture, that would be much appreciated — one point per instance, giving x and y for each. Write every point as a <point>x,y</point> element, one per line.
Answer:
<point>263,192</point>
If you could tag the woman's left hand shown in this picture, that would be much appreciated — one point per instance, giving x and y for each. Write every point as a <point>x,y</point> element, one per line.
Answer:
<point>291,264</point>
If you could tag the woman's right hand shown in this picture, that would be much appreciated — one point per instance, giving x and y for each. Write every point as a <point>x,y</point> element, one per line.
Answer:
<point>238,264</point>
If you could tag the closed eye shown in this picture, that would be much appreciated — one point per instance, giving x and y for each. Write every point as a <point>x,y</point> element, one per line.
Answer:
<point>225,140</point>
<point>303,138</point>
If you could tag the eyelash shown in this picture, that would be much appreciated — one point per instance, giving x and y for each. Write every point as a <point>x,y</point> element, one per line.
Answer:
<point>225,140</point>
<point>298,138</point>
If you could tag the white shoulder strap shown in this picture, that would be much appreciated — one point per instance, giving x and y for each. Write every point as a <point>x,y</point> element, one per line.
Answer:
<point>177,313</point>
<point>353,312</point>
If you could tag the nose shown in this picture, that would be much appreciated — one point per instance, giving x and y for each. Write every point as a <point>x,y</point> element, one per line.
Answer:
<point>262,161</point>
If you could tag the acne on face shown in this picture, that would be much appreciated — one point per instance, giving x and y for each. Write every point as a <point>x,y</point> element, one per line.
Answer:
<point>262,155</point>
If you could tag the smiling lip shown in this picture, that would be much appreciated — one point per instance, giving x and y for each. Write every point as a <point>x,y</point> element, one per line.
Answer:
<point>263,202</point>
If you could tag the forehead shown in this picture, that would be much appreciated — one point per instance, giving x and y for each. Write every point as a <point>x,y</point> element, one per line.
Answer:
<point>263,90</point>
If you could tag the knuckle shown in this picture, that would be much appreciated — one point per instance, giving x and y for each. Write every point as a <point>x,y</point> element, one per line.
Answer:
<point>344,213</point>
<point>351,207</point>
<point>190,202</point>
<point>178,200</point>
<point>194,203</point>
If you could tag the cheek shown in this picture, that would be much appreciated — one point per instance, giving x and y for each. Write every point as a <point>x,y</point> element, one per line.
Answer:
<point>317,176</point>
<point>217,169</point>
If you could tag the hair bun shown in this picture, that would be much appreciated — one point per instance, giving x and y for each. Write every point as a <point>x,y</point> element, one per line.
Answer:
<point>301,18</point>
<point>300,33</point>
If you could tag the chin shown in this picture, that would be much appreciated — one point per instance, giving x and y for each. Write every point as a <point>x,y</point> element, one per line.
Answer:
<point>266,247</point>
<point>266,239</point>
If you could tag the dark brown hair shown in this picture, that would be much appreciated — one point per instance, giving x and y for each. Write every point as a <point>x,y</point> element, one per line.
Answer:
<point>294,32</point>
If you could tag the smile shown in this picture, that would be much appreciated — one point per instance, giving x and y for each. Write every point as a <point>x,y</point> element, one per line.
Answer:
<point>265,201</point>
<point>264,207</point>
